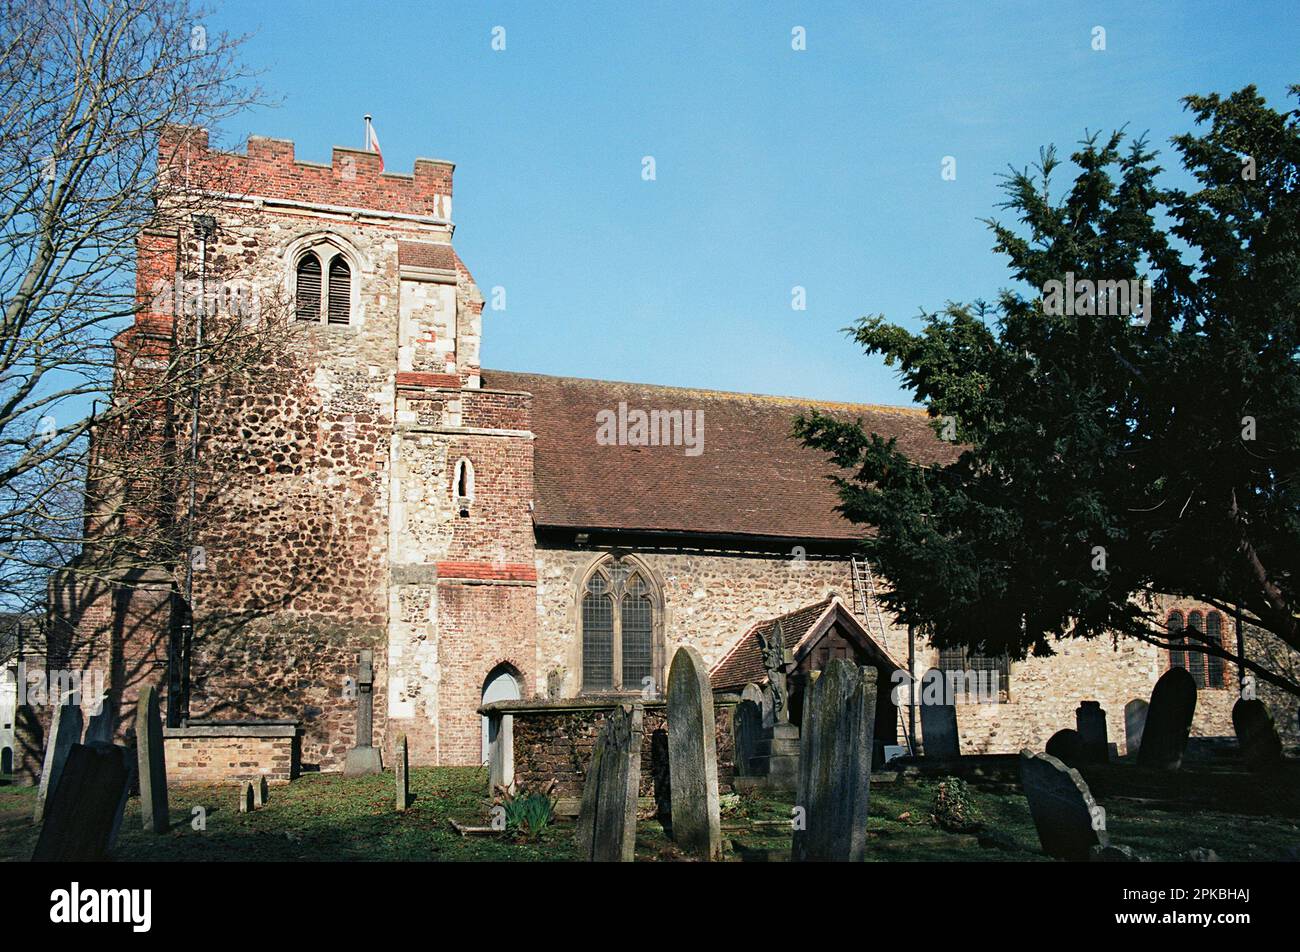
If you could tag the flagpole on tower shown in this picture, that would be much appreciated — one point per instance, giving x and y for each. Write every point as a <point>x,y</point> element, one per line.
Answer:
<point>367,132</point>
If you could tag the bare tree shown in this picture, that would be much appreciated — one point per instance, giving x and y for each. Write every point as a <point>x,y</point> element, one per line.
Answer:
<point>97,98</point>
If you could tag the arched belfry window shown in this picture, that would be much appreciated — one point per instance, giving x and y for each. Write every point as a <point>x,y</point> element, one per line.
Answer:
<point>622,628</point>
<point>307,301</point>
<point>324,289</point>
<point>340,307</point>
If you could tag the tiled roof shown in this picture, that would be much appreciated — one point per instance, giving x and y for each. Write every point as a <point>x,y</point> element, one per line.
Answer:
<point>751,478</point>
<point>744,662</point>
<point>803,629</point>
<point>426,254</point>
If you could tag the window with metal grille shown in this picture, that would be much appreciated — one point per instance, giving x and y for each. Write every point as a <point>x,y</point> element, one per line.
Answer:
<point>620,647</point>
<point>1177,655</point>
<point>1195,662</point>
<point>637,623</point>
<point>1213,663</point>
<point>340,296</point>
<point>597,636</point>
<point>976,676</point>
<point>1206,670</point>
<point>307,303</point>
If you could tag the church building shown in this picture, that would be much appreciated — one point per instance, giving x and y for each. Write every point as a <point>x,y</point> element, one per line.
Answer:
<point>492,534</point>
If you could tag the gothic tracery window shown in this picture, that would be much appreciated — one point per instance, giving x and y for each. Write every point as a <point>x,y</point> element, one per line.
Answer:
<point>621,621</point>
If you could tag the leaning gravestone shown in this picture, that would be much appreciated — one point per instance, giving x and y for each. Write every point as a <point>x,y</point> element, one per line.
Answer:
<point>607,817</point>
<point>400,768</point>
<point>1067,818</point>
<point>1256,734</point>
<point>85,809</point>
<point>1135,719</point>
<point>1094,742</point>
<point>1067,747</point>
<point>747,730</point>
<point>693,757</point>
<point>247,797</point>
<point>65,730</point>
<point>939,738</point>
<point>1169,721</point>
<point>839,714</point>
<point>152,762</point>
<point>261,792</point>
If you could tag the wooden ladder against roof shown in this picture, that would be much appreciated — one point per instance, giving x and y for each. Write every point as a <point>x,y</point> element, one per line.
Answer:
<point>866,604</point>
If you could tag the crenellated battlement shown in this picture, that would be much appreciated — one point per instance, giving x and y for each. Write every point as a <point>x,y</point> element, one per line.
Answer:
<point>267,169</point>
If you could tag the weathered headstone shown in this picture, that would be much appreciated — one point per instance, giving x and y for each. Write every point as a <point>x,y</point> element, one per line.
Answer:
<point>693,757</point>
<point>85,809</point>
<point>606,830</point>
<point>1066,746</point>
<point>747,729</point>
<point>401,766</point>
<point>769,707</point>
<point>839,715</point>
<point>1094,742</point>
<point>939,737</point>
<point>364,759</point>
<point>1169,721</point>
<point>247,797</point>
<point>29,745</point>
<point>1135,719</point>
<point>152,762</point>
<point>1256,734</point>
<point>1068,819</point>
<point>261,792</point>
<point>99,728</point>
<point>65,730</point>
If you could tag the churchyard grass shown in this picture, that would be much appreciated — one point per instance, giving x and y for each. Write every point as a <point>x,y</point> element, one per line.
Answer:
<point>329,817</point>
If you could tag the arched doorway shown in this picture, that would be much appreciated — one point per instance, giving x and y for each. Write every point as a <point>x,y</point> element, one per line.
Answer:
<point>501,684</point>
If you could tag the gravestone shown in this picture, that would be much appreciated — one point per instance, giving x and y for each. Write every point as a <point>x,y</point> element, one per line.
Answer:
<point>247,797</point>
<point>261,792</point>
<point>839,715</point>
<point>1169,721</point>
<point>65,730</point>
<point>99,728</point>
<point>85,809</point>
<point>1135,719</point>
<point>1094,743</point>
<point>693,757</point>
<point>29,745</point>
<point>152,762</point>
<point>747,730</point>
<point>606,830</point>
<point>1067,747</point>
<point>1256,735</point>
<point>939,737</point>
<point>364,759</point>
<point>769,711</point>
<point>401,766</point>
<point>1067,818</point>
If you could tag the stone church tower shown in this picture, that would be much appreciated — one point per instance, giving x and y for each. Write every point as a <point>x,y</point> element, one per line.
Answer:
<point>361,491</point>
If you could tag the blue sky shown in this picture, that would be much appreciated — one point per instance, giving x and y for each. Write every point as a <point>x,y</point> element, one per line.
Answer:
<point>775,168</point>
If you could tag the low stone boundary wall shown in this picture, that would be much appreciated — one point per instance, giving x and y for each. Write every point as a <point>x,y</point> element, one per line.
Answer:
<point>553,740</point>
<point>224,751</point>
